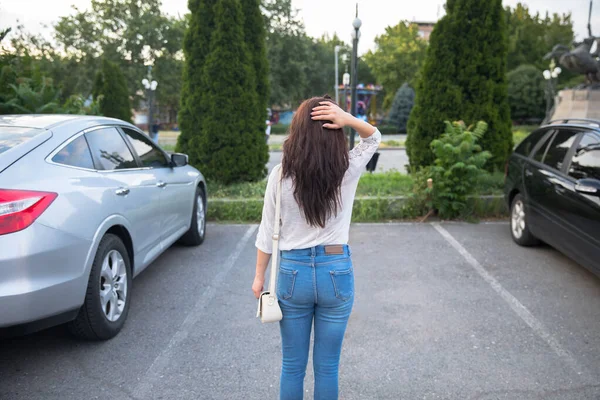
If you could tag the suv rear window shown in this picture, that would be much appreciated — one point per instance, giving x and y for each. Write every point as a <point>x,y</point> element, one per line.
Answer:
<point>12,136</point>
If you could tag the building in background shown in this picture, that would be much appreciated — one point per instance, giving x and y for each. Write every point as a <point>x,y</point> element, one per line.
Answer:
<point>425,29</point>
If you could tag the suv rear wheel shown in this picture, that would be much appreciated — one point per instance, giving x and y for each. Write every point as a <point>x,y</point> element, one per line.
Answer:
<point>519,227</point>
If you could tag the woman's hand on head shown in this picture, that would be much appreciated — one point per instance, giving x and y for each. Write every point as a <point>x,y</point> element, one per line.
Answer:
<point>328,111</point>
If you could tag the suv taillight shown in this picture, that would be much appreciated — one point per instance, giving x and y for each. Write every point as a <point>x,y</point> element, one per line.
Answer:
<point>20,208</point>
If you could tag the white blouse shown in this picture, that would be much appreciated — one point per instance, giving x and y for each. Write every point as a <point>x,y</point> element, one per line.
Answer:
<point>296,233</point>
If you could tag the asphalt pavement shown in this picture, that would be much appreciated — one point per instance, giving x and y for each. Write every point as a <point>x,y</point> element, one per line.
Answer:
<point>450,311</point>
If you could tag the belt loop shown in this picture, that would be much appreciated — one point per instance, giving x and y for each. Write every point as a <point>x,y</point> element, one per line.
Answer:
<point>312,251</point>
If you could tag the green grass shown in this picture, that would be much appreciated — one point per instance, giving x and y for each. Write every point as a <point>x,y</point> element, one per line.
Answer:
<point>168,147</point>
<point>381,184</point>
<point>391,143</point>
<point>384,184</point>
<point>248,190</point>
<point>370,185</point>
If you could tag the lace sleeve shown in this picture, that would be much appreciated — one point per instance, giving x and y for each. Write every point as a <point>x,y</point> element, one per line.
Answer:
<point>362,153</point>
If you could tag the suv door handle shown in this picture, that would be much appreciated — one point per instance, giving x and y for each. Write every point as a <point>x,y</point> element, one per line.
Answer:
<point>122,192</point>
<point>528,173</point>
<point>161,184</point>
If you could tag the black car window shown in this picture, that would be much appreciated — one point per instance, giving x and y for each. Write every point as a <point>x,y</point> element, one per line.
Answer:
<point>542,145</point>
<point>76,154</point>
<point>586,160</point>
<point>110,150</point>
<point>149,154</point>
<point>558,148</point>
<point>527,145</point>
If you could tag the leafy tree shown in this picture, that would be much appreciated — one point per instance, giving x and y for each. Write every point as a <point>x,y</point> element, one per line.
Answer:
<point>526,94</point>
<point>463,78</point>
<point>530,37</point>
<point>113,95</point>
<point>399,54</point>
<point>287,52</point>
<point>231,145</point>
<point>401,107</point>
<point>131,33</point>
<point>196,45</point>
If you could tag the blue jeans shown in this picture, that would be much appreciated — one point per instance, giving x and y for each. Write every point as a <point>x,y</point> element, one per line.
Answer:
<point>311,285</point>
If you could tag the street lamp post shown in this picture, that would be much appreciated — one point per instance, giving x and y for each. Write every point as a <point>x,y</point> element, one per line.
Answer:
<point>150,86</point>
<point>337,78</point>
<point>346,82</point>
<point>356,24</point>
<point>550,75</point>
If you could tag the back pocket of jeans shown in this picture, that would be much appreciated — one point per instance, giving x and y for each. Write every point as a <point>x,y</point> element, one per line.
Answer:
<point>285,283</point>
<point>343,284</point>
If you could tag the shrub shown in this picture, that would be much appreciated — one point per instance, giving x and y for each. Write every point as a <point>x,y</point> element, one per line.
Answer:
<point>457,171</point>
<point>388,129</point>
<point>464,76</point>
<point>279,129</point>
<point>526,93</point>
<point>401,107</point>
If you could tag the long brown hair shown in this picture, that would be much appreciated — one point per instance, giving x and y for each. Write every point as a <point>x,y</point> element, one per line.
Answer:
<point>316,159</point>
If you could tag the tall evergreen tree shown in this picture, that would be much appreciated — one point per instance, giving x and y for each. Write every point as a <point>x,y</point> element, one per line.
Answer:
<point>112,85</point>
<point>464,78</point>
<point>255,35</point>
<point>231,145</point>
<point>402,106</point>
<point>196,45</point>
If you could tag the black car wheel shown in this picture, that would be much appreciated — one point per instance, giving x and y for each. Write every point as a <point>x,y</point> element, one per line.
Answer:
<point>519,226</point>
<point>106,305</point>
<point>195,235</point>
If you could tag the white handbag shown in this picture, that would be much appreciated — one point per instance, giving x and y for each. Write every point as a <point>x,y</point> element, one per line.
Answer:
<point>268,306</point>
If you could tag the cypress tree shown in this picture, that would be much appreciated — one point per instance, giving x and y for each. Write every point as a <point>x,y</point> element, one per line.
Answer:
<point>255,35</point>
<point>464,78</point>
<point>112,85</point>
<point>401,107</point>
<point>231,146</point>
<point>196,45</point>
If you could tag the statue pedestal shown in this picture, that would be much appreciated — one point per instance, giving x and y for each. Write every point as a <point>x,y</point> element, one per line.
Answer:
<point>577,103</point>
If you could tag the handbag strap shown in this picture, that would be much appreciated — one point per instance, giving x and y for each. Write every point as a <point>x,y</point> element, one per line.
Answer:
<point>276,227</point>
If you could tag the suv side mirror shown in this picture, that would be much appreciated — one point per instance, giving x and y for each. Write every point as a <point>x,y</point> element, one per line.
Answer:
<point>179,160</point>
<point>591,187</point>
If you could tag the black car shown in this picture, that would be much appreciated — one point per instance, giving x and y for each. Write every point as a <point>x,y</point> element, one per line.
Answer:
<point>553,189</point>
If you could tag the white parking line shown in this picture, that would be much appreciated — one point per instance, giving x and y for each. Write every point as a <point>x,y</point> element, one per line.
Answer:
<point>143,390</point>
<point>522,311</point>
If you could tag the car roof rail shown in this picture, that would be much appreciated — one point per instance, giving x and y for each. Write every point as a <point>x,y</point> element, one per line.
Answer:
<point>575,120</point>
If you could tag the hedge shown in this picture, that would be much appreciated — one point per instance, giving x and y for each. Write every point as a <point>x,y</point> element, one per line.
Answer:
<point>366,209</point>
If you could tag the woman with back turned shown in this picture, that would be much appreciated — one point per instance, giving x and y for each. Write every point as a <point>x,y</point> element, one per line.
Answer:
<point>315,279</point>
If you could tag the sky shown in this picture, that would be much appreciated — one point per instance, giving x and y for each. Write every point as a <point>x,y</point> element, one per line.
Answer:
<point>319,16</point>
